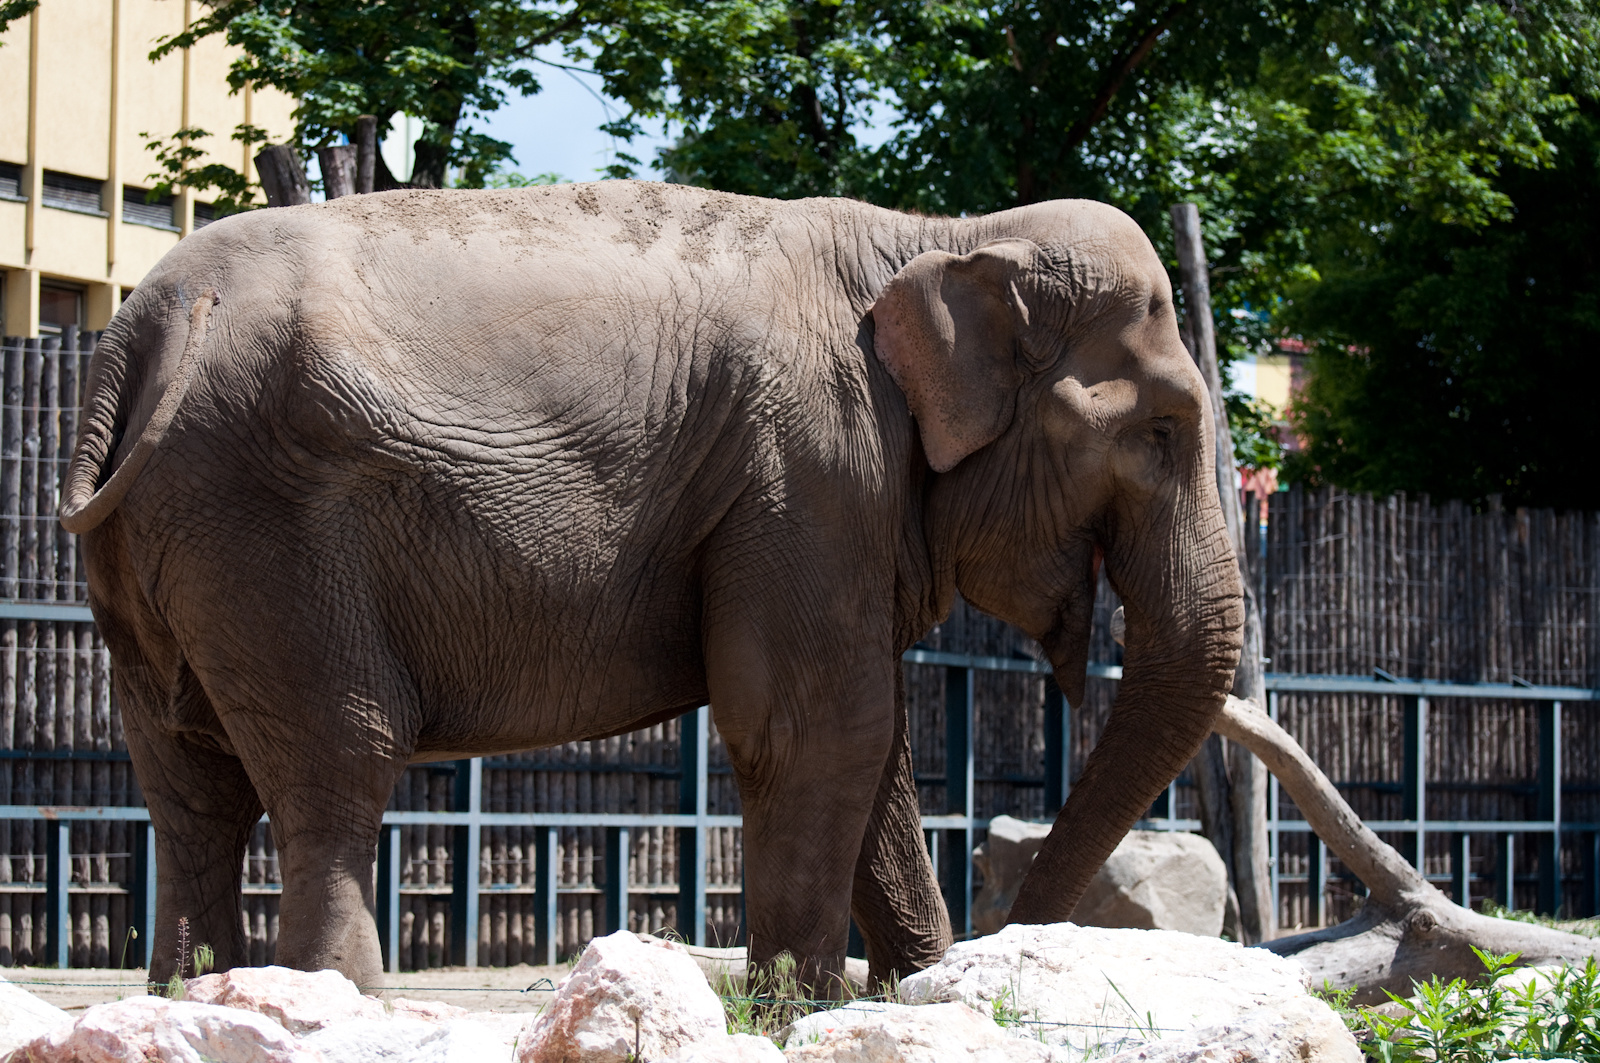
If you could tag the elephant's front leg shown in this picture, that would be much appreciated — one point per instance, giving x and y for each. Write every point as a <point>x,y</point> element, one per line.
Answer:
<point>897,902</point>
<point>808,739</point>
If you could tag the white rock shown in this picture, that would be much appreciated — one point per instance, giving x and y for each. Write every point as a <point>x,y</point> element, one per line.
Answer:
<point>625,998</point>
<point>505,1027</point>
<point>302,1001</point>
<point>24,1016</point>
<point>1303,1031</point>
<point>1154,880</point>
<point>900,1033</point>
<point>402,1040</point>
<point>729,1048</point>
<point>1112,989</point>
<point>156,1030</point>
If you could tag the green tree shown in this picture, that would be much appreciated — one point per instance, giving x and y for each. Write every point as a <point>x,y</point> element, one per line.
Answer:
<point>1453,356</point>
<point>448,62</point>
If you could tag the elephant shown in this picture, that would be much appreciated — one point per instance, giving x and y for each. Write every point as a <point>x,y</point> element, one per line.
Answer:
<point>416,476</point>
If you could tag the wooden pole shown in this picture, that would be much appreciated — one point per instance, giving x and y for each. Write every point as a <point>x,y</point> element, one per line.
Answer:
<point>283,176</point>
<point>338,170</point>
<point>366,153</point>
<point>1249,862</point>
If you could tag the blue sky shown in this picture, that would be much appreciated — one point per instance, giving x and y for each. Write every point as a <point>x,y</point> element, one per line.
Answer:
<point>557,130</point>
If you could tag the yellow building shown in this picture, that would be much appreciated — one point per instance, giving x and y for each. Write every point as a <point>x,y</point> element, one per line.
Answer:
<point>77,90</point>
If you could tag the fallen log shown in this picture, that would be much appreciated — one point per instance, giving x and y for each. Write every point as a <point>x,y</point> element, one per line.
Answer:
<point>1407,931</point>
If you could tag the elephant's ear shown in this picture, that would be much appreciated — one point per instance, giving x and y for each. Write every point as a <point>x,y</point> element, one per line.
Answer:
<point>947,327</point>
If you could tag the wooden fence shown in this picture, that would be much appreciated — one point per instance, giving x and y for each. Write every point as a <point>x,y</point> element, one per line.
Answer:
<point>1349,585</point>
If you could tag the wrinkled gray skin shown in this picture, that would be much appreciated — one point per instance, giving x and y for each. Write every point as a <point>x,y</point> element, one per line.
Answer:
<point>416,476</point>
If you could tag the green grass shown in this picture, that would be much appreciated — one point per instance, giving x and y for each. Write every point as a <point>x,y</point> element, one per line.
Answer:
<point>1488,1020</point>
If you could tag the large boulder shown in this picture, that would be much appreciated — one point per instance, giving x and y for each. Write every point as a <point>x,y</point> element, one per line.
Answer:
<point>1108,990</point>
<point>303,1001</point>
<point>156,1030</point>
<point>1154,880</point>
<point>627,999</point>
<point>24,1017</point>
<point>900,1033</point>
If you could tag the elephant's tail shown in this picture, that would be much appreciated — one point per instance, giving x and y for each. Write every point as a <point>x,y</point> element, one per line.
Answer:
<point>89,495</point>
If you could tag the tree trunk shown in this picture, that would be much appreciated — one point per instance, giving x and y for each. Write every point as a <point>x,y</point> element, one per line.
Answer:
<point>1233,783</point>
<point>1407,931</point>
<point>283,176</point>
<point>366,153</point>
<point>338,170</point>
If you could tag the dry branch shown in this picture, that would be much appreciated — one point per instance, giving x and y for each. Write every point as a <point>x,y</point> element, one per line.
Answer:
<point>1407,931</point>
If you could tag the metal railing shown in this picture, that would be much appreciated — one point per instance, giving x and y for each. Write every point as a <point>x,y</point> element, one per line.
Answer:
<point>951,835</point>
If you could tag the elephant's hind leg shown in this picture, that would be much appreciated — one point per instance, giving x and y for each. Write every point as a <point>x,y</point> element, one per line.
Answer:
<point>325,775</point>
<point>895,899</point>
<point>203,808</point>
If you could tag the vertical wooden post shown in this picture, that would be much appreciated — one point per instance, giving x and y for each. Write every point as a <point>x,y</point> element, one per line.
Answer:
<point>545,897</point>
<point>338,163</point>
<point>388,895</point>
<point>1057,748</point>
<point>618,852</point>
<point>466,845</point>
<point>1549,810</point>
<point>959,795</point>
<point>366,152</point>
<point>283,176</point>
<point>1246,805</point>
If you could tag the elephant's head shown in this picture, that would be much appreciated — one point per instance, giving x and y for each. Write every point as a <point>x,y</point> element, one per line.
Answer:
<point>1068,426</point>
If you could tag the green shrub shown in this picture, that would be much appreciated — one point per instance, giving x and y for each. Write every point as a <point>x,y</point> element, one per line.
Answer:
<point>1460,1022</point>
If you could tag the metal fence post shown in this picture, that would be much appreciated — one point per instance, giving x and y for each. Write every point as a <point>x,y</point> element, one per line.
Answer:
<point>1274,835</point>
<point>959,787</point>
<point>464,869</point>
<point>693,740</point>
<point>389,851</point>
<point>1414,792</point>
<point>1508,870</point>
<point>1550,893</point>
<point>1317,881</point>
<point>1591,874</point>
<point>616,890</point>
<point>142,892</point>
<point>1461,869</point>
<point>58,874</point>
<point>1057,748</point>
<point>546,910</point>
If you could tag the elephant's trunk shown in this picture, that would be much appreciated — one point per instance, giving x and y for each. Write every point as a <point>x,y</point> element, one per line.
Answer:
<point>1174,567</point>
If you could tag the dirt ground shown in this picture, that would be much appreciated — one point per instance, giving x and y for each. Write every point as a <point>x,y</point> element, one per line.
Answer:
<point>474,988</point>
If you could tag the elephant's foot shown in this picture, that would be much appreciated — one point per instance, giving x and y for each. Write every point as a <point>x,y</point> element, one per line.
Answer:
<point>325,918</point>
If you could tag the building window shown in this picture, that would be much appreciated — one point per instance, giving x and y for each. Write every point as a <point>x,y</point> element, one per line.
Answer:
<point>157,215</point>
<point>60,306</point>
<point>204,214</point>
<point>11,182</point>
<point>65,191</point>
